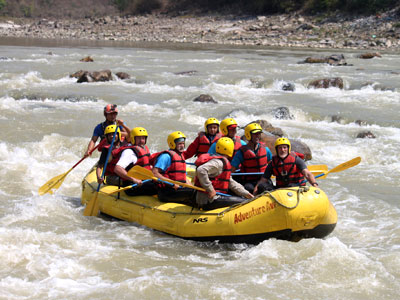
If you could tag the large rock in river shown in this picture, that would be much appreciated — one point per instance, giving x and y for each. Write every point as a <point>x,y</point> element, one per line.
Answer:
<point>325,83</point>
<point>95,76</point>
<point>297,146</point>
<point>205,98</point>
<point>269,140</point>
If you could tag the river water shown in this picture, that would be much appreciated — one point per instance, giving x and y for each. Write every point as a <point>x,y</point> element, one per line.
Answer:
<point>49,250</point>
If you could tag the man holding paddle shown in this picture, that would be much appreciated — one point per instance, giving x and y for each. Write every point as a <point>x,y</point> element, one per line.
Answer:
<point>110,113</point>
<point>170,164</point>
<point>213,173</point>
<point>137,154</point>
<point>117,148</point>
<point>288,168</point>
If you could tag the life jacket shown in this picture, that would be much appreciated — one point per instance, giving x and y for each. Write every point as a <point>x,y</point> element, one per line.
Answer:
<point>237,145</point>
<point>253,162</point>
<point>221,182</point>
<point>102,143</point>
<point>177,170</point>
<point>204,142</point>
<point>103,140</point>
<point>143,156</point>
<point>115,156</point>
<point>285,171</point>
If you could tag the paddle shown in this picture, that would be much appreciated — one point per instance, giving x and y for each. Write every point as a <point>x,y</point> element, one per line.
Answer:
<point>126,188</point>
<point>315,169</point>
<point>55,182</point>
<point>92,207</point>
<point>346,165</point>
<point>143,173</point>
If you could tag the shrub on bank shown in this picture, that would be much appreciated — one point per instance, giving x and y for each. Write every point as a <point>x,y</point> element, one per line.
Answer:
<point>95,8</point>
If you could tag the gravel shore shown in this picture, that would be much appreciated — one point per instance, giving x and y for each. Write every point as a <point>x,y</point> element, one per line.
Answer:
<point>381,32</point>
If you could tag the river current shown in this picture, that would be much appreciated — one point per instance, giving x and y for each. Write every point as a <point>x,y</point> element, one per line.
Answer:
<point>49,250</point>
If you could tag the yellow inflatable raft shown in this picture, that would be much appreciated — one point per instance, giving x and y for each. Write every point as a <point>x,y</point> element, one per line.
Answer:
<point>289,214</point>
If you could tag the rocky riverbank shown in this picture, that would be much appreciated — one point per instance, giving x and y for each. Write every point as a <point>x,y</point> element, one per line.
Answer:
<point>381,32</point>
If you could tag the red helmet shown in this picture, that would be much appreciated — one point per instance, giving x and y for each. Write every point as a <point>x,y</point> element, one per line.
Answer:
<point>110,108</point>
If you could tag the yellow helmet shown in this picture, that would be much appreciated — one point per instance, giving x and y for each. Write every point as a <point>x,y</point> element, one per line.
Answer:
<point>252,128</point>
<point>174,136</point>
<point>282,141</point>
<point>138,131</point>
<point>111,129</point>
<point>225,146</point>
<point>210,121</point>
<point>225,124</point>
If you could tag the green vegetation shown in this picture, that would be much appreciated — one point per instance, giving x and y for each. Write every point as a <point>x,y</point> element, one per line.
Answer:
<point>94,8</point>
<point>137,6</point>
<point>2,4</point>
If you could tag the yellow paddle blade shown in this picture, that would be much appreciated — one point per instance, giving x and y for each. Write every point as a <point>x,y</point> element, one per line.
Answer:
<point>317,169</point>
<point>141,173</point>
<point>346,165</point>
<point>53,183</point>
<point>92,207</point>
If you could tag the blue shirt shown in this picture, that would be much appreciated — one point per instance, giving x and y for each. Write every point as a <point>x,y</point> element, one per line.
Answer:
<point>163,161</point>
<point>238,158</point>
<point>213,147</point>
<point>99,129</point>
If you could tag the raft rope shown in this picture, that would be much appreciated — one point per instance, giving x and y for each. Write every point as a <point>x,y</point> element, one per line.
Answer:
<point>299,191</point>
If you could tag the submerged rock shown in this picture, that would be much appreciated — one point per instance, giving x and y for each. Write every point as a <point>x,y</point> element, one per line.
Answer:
<point>334,59</point>
<point>325,83</point>
<point>369,55</point>
<point>95,76</point>
<point>204,98</point>
<point>123,75</point>
<point>87,59</point>
<point>365,134</point>
<point>282,113</point>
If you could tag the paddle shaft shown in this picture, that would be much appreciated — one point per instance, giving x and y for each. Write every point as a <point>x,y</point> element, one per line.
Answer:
<point>149,174</point>
<point>92,207</point>
<point>91,151</point>
<point>126,188</point>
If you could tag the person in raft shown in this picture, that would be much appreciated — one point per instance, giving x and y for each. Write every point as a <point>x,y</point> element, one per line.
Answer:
<point>132,155</point>
<point>110,177</point>
<point>288,168</point>
<point>213,173</point>
<point>204,139</point>
<point>252,158</point>
<point>110,113</point>
<point>228,128</point>
<point>170,164</point>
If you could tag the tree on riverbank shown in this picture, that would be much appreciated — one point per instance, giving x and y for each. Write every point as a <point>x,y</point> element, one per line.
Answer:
<point>95,8</point>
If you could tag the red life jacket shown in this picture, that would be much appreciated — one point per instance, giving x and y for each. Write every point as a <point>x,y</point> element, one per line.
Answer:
<point>253,162</point>
<point>286,171</point>
<point>204,142</point>
<point>103,141</point>
<point>115,156</point>
<point>177,170</point>
<point>143,156</point>
<point>221,182</point>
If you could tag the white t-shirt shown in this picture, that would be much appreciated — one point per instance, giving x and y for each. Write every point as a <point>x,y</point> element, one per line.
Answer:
<point>128,157</point>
